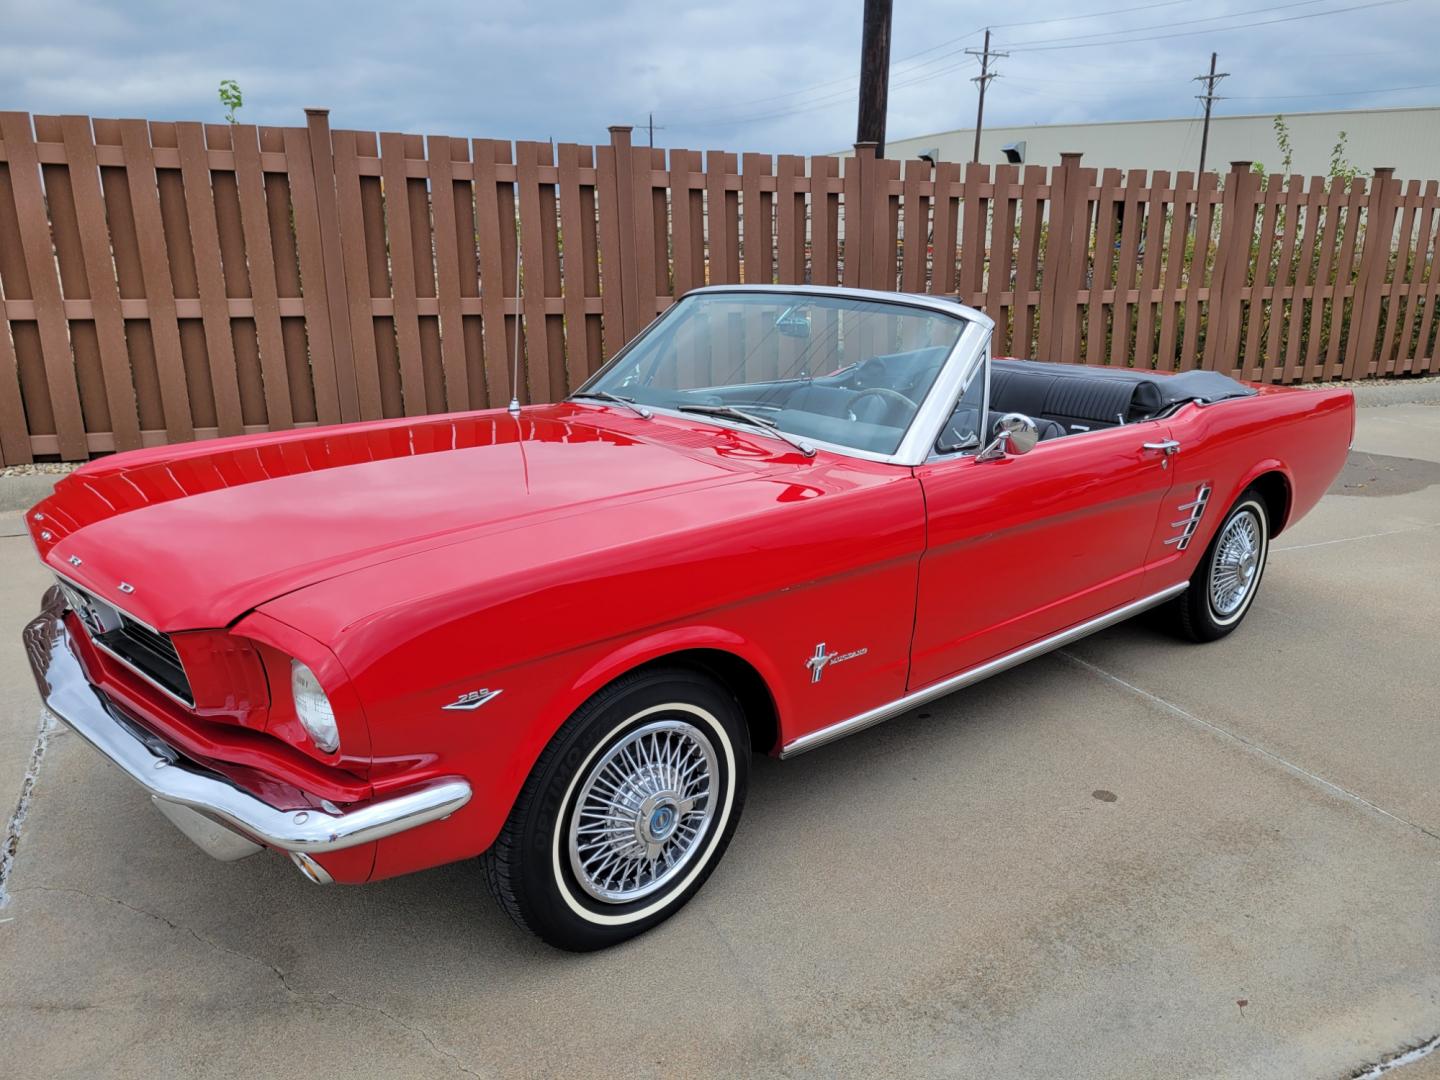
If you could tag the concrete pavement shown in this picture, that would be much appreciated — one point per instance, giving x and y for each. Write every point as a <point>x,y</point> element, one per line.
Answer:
<point>1136,858</point>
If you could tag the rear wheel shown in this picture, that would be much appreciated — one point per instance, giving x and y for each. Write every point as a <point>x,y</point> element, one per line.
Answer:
<point>1228,577</point>
<point>626,812</point>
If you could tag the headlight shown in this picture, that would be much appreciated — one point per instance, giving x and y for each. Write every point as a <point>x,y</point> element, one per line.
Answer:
<point>312,708</point>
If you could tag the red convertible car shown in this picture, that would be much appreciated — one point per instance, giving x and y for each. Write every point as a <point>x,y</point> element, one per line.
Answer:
<point>552,637</point>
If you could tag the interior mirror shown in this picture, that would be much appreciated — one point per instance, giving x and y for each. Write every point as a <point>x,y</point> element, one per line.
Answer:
<point>1015,434</point>
<point>794,322</point>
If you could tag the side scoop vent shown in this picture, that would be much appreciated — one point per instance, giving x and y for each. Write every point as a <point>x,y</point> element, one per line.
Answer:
<point>1193,511</point>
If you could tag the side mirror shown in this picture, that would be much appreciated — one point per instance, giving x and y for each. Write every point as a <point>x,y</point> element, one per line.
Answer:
<point>1015,434</point>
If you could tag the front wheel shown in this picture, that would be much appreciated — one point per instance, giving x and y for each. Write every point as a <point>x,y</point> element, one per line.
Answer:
<point>1228,577</point>
<point>626,812</point>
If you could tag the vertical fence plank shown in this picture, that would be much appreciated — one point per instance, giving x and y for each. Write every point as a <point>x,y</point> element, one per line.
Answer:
<point>1428,357</point>
<point>682,227</point>
<point>790,220</point>
<point>1206,198</point>
<point>337,303</point>
<point>756,217</point>
<point>1261,293</point>
<point>574,264</point>
<point>1374,260</point>
<point>1287,223</point>
<point>1002,244</point>
<point>14,428</point>
<point>1398,282</point>
<point>852,242</point>
<point>824,220</point>
<point>915,213</point>
<point>305,221</point>
<point>494,286</point>
<point>260,258</point>
<point>1321,288</point>
<point>1120,313</point>
<point>1102,265</point>
<point>159,288</point>
<point>946,227</point>
<point>1308,243</point>
<point>1027,262</point>
<point>974,211</point>
<point>105,299</point>
<point>350,210</point>
<point>1151,259</point>
<point>440,167</point>
<point>1344,274</point>
<point>36,245</point>
<point>527,183</point>
<point>721,219</point>
<point>1418,249</point>
<point>210,278</point>
<point>1057,236</point>
<point>403,289</point>
<point>1182,214</point>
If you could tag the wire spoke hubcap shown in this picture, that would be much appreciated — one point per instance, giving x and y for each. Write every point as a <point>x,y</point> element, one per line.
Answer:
<point>1236,564</point>
<point>642,811</point>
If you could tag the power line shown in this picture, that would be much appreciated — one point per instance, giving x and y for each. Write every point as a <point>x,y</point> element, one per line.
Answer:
<point>841,98</point>
<point>1334,93</point>
<point>898,64</point>
<point>836,98</point>
<point>1212,30</point>
<point>1069,38</point>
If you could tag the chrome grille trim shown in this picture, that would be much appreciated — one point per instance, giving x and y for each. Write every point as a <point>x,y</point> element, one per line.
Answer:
<point>141,636</point>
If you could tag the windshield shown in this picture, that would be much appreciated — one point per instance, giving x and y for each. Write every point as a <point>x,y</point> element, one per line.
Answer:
<point>836,369</point>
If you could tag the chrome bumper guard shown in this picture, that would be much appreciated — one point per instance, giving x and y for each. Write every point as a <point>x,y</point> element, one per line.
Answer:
<point>175,783</point>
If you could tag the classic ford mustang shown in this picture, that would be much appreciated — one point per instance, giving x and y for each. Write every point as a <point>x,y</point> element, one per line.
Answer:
<point>552,636</point>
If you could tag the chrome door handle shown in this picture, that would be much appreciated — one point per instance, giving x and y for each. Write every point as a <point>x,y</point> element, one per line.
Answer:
<point>1168,447</point>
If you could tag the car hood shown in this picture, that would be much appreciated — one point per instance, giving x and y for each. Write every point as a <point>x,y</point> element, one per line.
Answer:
<point>194,537</point>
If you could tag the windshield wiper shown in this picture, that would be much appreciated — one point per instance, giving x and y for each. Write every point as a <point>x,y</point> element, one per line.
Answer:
<point>606,395</point>
<point>729,412</point>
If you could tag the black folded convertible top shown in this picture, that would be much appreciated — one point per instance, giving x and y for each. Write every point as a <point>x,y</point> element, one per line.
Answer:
<point>1151,391</point>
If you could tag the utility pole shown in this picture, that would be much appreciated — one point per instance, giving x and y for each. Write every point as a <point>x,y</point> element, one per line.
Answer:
<point>983,80</point>
<point>652,127</point>
<point>1209,98</point>
<point>874,74</point>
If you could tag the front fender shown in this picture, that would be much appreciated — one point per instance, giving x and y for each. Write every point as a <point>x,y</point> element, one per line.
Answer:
<point>633,654</point>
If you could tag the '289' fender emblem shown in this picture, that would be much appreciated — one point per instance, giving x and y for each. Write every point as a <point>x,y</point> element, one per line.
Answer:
<point>472,700</point>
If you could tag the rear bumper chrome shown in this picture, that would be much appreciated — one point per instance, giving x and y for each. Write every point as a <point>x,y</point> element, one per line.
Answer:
<point>179,785</point>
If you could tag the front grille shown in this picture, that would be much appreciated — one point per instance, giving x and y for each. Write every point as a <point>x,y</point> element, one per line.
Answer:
<point>148,652</point>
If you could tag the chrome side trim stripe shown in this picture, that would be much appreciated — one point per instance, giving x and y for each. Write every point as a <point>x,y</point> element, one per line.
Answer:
<point>976,674</point>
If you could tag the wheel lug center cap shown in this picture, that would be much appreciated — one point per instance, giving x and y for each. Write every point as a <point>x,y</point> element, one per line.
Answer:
<point>662,821</point>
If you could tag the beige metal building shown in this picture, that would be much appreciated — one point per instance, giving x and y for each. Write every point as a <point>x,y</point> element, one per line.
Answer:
<point>1408,139</point>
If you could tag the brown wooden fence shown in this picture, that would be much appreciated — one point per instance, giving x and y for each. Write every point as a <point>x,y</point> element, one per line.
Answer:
<point>169,281</point>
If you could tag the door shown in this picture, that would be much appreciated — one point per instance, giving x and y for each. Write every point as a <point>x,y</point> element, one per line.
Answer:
<point>1025,546</point>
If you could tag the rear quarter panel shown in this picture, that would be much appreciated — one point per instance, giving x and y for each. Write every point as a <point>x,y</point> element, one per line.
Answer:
<point>1304,435</point>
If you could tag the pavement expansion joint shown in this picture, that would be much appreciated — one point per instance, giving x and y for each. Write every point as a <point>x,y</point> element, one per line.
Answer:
<point>1249,744</point>
<point>11,843</point>
<point>1400,1059</point>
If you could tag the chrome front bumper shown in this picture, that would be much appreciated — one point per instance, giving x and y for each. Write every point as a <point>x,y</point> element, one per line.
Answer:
<point>185,790</point>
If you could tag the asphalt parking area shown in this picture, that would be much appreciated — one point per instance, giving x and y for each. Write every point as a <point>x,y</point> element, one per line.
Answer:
<point>1135,858</point>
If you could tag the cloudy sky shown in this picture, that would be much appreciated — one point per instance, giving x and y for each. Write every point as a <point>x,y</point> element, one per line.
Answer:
<point>776,75</point>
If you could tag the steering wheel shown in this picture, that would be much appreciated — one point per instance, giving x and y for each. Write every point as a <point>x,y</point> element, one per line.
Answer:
<point>893,397</point>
